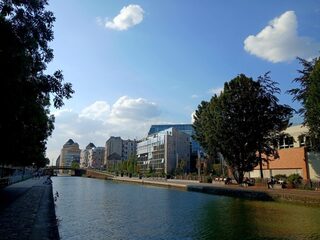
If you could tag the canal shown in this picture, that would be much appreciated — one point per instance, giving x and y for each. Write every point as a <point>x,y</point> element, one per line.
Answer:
<point>96,209</point>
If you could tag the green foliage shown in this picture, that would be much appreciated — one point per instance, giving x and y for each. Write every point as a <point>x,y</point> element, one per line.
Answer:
<point>308,94</point>
<point>75,165</point>
<point>26,30</point>
<point>280,177</point>
<point>242,121</point>
<point>294,179</point>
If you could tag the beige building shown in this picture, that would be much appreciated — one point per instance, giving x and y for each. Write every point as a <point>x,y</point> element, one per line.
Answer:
<point>69,153</point>
<point>117,150</point>
<point>164,151</point>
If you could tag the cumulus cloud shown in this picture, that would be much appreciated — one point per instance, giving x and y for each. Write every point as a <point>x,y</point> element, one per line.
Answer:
<point>279,41</point>
<point>127,117</point>
<point>133,109</point>
<point>129,16</point>
<point>194,96</point>
<point>97,110</point>
<point>216,91</point>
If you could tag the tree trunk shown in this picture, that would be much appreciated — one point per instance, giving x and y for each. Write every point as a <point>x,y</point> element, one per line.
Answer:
<point>260,163</point>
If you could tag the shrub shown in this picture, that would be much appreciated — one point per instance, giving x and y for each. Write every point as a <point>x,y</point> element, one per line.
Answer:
<point>295,179</point>
<point>280,177</point>
<point>209,179</point>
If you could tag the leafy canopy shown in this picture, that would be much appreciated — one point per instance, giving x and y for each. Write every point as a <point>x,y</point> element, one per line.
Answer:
<point>26,30</point>
<point>241,122</point>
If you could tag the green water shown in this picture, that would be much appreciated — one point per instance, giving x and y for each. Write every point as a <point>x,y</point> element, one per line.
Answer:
<point>97,209</point>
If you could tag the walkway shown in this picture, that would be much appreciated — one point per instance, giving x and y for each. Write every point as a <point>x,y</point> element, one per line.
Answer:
<point>305,197</point>
<point>27,211</point>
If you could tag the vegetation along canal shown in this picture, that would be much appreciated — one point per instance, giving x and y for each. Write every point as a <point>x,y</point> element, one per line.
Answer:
<point>96,209</point>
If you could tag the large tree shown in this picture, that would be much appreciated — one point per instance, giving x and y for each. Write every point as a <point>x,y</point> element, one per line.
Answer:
<point>26,30</point>
<point>308,94</point>
<point>242,122</point>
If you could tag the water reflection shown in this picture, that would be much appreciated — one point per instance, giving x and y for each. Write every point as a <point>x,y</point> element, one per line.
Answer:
<point>96,209</point>
<point>241,219</point>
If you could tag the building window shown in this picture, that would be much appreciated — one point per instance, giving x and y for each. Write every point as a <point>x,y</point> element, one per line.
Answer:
<point>286,142</point>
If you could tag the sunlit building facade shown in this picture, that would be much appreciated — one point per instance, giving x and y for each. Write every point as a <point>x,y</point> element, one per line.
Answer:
<point>70,152</point>
<point>164,151</point>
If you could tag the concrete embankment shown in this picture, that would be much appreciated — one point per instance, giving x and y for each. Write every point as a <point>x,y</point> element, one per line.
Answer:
<point>27,211</point>
<point>304,197</point>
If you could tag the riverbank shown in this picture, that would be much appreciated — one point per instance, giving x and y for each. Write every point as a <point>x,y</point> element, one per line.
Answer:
<point>304,197</point>
<point>27,211</point>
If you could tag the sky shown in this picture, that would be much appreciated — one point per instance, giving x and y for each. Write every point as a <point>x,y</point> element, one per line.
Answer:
<point>137,63</point>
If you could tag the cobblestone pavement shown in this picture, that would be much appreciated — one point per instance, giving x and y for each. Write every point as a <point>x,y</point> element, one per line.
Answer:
<point>27,211</point>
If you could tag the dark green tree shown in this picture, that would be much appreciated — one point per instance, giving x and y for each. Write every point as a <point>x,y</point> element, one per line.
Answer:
<point>308,94</point>
<point>242,122</point>
<point>272,119</point>
<point>26,30</point>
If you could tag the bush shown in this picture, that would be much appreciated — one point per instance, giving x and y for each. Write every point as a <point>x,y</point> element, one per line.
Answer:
<point>281,177</point>
<point>294,179</point>
<point>209,179</point>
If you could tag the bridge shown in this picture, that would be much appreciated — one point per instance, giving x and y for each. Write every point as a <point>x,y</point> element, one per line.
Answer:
<point>50,170</point>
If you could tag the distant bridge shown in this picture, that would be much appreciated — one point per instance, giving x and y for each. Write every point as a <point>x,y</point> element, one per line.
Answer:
<point>74,171</point>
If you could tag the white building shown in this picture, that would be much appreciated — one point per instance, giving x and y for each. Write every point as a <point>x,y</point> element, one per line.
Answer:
<point>164,151</point>
<point>84,155</point>
<point>96,157</point>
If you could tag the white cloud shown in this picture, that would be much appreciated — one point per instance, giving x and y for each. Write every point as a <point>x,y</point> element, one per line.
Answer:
<point>216,91</point>
<point>194,96</point>
<point>127,117</point>
<point>192,116</point>
<point>97,110</point>
<point>128,17</point>
<point>134,109</point>
<point>279,41</point>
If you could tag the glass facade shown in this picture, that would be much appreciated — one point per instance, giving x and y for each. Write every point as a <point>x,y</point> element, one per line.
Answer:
<point>186,128</point>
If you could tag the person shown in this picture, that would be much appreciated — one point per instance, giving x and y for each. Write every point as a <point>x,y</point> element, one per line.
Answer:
<point>271,182</point>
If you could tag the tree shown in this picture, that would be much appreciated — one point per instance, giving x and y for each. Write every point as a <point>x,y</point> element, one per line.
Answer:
<point>309,96</point>
<point>26,30</point>
<point>75,164</point>
<point>242,122</point>
<point>272,119</point>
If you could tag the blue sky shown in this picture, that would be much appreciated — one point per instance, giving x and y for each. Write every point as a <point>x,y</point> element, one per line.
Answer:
<point>133,64</point>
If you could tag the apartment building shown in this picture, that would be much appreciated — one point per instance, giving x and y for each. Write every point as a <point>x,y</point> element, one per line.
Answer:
<point>117,150</point>
<point>70,152</point>
<point>84,155</point>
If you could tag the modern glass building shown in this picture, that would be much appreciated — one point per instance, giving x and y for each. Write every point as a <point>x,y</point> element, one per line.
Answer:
<point>164,151</point>
<point>186,128</point>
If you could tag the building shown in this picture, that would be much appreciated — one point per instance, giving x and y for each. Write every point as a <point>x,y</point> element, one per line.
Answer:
<point>117,150</point>
<point>293,157</point>
<point>195,147</point>
<point>84,155</point>
<point>164,151</point>
<point>96,157</point>
<point>70,152</point>
<point>58,161</point>
<point>186,128</point>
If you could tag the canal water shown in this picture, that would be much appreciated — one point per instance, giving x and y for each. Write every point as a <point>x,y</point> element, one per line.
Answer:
<point>96,209</point>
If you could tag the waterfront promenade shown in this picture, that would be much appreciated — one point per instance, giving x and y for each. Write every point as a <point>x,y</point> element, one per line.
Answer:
<point>304,197</point>
<point>27,211</point>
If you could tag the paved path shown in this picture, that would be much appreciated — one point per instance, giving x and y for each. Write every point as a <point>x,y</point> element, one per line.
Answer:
<point>27,211</point>
<point>305,197</point>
